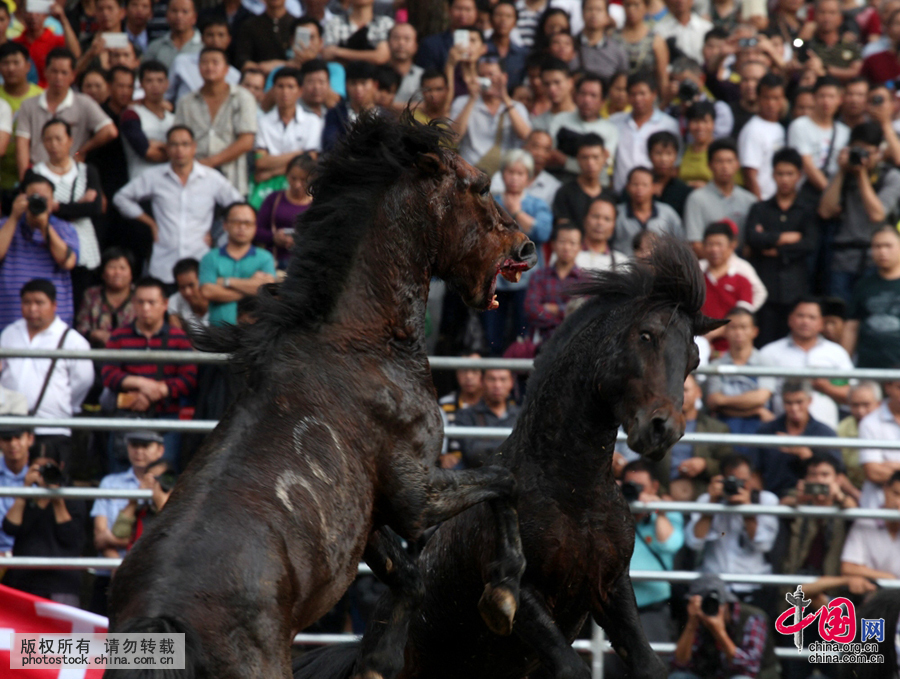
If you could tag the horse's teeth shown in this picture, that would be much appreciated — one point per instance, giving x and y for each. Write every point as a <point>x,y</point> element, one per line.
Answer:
<point>494,304</point>
<point>518,276</point>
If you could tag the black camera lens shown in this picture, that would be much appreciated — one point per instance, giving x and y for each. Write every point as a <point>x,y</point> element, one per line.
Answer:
<point>710,604</point>
<point>856,156</point>
<point>51,474</point>
<point>631,491</point>
<point>877,100</point>
<point>816,489</point>
<point>732,485</point>
<point>37,204</point>
<point>688,90</point>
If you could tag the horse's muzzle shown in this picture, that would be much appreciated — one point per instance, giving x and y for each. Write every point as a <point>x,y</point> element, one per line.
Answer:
<point>653,434</point>
<point>527,253</point>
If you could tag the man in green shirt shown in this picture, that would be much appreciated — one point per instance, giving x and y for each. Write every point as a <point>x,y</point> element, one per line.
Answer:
<point>237,269</point>
<point>15,63</point>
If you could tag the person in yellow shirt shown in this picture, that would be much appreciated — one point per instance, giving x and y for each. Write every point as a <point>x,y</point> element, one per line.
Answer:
<point>15,63</point>
<point>701,117</point>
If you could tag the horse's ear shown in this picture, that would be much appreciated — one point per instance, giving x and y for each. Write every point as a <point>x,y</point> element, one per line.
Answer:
<point>704,324</point>
<point>429,164</point>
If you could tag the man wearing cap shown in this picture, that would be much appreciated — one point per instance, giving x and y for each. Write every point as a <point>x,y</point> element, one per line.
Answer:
<point>15,442</point>
<point>723,637</point>
<point>144,448</point>
<point>54,388</point>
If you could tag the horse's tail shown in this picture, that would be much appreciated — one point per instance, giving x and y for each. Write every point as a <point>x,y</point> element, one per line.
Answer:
<point>194,660</point>
<point>331,662</point>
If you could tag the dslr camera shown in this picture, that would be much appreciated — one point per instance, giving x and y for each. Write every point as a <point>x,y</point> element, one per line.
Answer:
<point>631,491</point>
<point>817,489</point>
<point>688,90</point>
<point>857,156</point>
<point>51,474</point>
<point>37,204</point>
<point>732,485</point>
<point>710,604</point>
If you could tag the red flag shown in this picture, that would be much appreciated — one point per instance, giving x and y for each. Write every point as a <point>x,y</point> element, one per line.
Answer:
<point>26,613</point>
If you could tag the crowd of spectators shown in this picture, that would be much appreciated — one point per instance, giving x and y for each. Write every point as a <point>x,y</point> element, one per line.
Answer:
<point>154,156</point>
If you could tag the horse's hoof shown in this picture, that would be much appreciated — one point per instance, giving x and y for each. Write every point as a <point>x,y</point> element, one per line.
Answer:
<point>498,609</point>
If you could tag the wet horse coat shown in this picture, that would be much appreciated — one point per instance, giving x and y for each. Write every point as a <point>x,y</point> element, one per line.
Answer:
<point>338,433</point>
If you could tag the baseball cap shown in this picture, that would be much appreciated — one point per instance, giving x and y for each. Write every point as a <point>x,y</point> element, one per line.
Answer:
<point>711,583</point>
<point>139,437</point>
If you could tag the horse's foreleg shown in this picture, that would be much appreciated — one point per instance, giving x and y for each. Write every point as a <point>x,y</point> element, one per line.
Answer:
<point>537,629</point>
<point>381,653</point>
<point>618,616</point>
<point>451,492</point>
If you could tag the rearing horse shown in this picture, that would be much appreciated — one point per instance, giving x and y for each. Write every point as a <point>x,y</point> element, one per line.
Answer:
<point>339,431</point>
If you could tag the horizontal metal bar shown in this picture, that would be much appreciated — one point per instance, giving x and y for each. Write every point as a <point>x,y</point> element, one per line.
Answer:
<point>580,645</point>
<point>204,426</point>
<point>636,507</point>
<point>119,355</point>
<point>438,363</point>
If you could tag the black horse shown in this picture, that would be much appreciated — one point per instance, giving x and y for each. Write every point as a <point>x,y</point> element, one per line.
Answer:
<point>338,433</point>
<point>619,359</point>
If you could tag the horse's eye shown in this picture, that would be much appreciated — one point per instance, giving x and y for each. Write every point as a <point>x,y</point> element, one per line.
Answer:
<point>646,337</point>
<point>486,190</point>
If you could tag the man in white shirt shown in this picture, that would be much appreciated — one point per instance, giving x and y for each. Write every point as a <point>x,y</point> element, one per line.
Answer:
<point>184,75</point>
<point>880,464</point>
<point>762,136</point>
<point>636,127</point>
<point>872,547</point>
<point>819,137</point>
<point>687,28</point>
<point>403,44</point>
<point>734,543</point>
<point>54,388</point>
<point>184,195</point>
<point>804,347</point>
<point>287,130</point>
<point>565,126</point>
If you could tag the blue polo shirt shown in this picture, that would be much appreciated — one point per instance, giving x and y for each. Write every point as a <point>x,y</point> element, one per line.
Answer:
<point>29,257</point>
<point>7,478</point>
<point>219,264</point>
<point>648,552</point>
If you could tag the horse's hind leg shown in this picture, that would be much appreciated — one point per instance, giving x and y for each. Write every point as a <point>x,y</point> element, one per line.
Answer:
<point>618,616</point>
<point>451,492</point>
<point>381,654</point>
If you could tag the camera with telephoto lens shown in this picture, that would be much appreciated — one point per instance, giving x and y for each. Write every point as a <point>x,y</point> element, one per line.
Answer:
<point>817,489</point>
<point>631,491</point>
<point>688,90</point>
<point>51,474</point>
<point>37,204</point>
<point>857,156</point>
<point>732,485</point>
<point>710,604</point>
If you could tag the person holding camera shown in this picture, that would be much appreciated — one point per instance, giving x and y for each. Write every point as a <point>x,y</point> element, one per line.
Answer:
<point>723,637</point>
<point>137,514</point>
<point>734,543</point>
<point>862,195</point>
<point>686,89</point>
<point>45,527</point>
<point>658,536</point>
<point>35,244</point>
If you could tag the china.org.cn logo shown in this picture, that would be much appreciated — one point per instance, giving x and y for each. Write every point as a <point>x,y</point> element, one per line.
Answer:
<point>836,627</point>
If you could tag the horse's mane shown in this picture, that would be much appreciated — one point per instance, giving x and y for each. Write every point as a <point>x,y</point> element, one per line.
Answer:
<point>366,162</point>
<point>669,277</point>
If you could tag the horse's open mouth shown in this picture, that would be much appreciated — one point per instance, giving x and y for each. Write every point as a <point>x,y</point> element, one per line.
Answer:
<point>511,271</point>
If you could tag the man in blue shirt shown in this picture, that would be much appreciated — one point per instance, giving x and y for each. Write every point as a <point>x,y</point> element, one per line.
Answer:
<point>657,537</point>
<point>14,444</point>
<point>237,269</point>
<point>34,244</point>
<point>782,467</point>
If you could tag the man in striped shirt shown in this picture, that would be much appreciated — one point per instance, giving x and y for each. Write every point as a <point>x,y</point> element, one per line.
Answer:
<point>149,389</point>
<point>35,244</point>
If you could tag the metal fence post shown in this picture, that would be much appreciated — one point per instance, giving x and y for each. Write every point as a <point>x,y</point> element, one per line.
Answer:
<point>598,649</point>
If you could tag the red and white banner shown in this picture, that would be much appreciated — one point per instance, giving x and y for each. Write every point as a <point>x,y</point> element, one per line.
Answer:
<point>25,613</point>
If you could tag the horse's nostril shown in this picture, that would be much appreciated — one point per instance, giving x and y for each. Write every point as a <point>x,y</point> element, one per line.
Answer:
<point>527,251</point>
<point>660,426</point>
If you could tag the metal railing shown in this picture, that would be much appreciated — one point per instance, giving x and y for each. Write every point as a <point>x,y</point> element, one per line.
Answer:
<point>437,363</point>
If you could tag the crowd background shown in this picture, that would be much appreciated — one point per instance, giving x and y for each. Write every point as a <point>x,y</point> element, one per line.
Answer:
<point>154,158</point>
